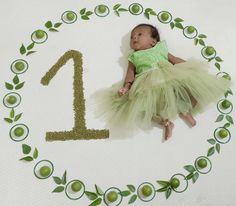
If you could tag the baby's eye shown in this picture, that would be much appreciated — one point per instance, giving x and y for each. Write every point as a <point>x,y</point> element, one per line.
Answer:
<point>140,34</point>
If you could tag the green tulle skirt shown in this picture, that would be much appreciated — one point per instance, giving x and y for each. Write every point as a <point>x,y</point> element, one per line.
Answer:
<point>162,92</point>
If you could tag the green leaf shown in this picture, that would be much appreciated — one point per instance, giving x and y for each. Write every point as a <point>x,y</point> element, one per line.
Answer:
<point>53,30</point>
<point>17,117</point>
<point>218,59</point>
<point>116,6</point>
<point>212,141</point>
<point>217,66</point>
<point>57,24</point>
<point>226,94</point>
<point>220,118</point>
<point>19,86</point>
<point>163,183</point>
<point>227,125</point>
<point>178,20</point>
<point>8,120</point>
<point>230,119</point>
<point>22,49</point>
<point>195,177</point>
<point>16,79</point>
<point>147,10</point>
<point>82,11</point>
<point>64,180</point>
<point>12,113</point>
<point>201,42</point>
<point>122,9</point>
<point>30,52</point>
<point>218,148</point>
<point>163,189</point>
<point>147,15</point>
<point>27,158</point>
<point>230,91</point>
<point>58,189</point>
<point>31,46</point>
<point>189,176</point>
<point>168,192</point>
<point>36,153</point>
<point>211,151</point>
<point>8,86</point>
<point>172,25</point>
<point>131,188</point>
<point>26,149</point>
<point>84,17</point>
<point>179,25</point>
<point>202,36</point>
<point>132,199</point>
<point>48,24</point>
<point>91,195</point>
<point>99,190</point>
<point>125,193</point>
<point>189,168</point>
<point>96,202</point>
<point>196,41</point>
<point>57,180</point>
<point>153,13</point>
<point>88,13</point>
<point>210,59</point>
<point>117,13</point>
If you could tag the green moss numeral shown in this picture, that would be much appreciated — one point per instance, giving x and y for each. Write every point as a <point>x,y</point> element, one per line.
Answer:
<point>79,131</point>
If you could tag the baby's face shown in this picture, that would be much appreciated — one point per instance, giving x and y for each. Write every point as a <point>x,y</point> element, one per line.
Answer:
<point>141,38</point>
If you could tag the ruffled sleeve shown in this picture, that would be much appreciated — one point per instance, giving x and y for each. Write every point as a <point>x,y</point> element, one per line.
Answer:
<point>131,57</point>
<point>162,47</point>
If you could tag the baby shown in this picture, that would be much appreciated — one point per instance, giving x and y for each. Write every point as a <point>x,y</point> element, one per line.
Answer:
<point>158,86</point>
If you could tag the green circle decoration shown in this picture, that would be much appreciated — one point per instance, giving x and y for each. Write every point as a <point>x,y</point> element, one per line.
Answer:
<point>190,34</point>
<point>136,9</point>
<point>150,193</point>
<point>164,17</point>
<point>39,39</point>
<point>222,109</point>
<point>117,200</point>
<point>102,10</point>
<point>43,164</point>
<point>74,195</point>
<point>207,168</point>
<point>66,17</point>
<point>18,131</point>
<point>183,183</point>
<point>19,137</point>
<point>208,55</point>
<point>23,69</point>
<point>220,139</point>
<point>12,100</point>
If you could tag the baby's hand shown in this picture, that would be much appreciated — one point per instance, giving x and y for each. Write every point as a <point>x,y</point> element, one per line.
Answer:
<point>122,91</point>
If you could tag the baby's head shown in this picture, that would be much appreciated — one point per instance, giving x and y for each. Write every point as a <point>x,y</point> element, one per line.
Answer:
<point>144,36</point>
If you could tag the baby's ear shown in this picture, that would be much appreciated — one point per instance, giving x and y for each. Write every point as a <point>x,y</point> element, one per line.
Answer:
<point>154,41</point>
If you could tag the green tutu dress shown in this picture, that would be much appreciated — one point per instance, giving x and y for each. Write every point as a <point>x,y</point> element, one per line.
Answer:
<point>160,89</point>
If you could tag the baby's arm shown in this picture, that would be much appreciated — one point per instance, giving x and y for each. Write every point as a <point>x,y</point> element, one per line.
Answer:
<point>174,60</point>
<point>129,79</point>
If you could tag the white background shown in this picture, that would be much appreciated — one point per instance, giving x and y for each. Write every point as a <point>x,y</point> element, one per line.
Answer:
<point>115,161</point>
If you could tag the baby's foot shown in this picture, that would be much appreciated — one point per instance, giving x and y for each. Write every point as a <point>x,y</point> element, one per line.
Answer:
<point>189,118</point>
<point>168,129</point>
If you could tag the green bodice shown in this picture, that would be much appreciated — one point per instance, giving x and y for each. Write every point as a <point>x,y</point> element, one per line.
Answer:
<point>147,59</point>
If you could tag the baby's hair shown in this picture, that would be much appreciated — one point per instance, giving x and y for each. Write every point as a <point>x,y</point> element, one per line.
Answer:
<point>154,31</point>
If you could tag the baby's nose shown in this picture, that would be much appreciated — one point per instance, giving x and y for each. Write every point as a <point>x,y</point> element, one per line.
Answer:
<point>135,37</point>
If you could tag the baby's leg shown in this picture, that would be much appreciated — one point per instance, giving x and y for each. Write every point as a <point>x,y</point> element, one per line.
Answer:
<point>189,118</point>
<point>168,125</point>
<point>193,100</point>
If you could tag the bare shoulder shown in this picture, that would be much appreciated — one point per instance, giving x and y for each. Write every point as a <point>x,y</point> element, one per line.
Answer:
<point>174,60</point>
